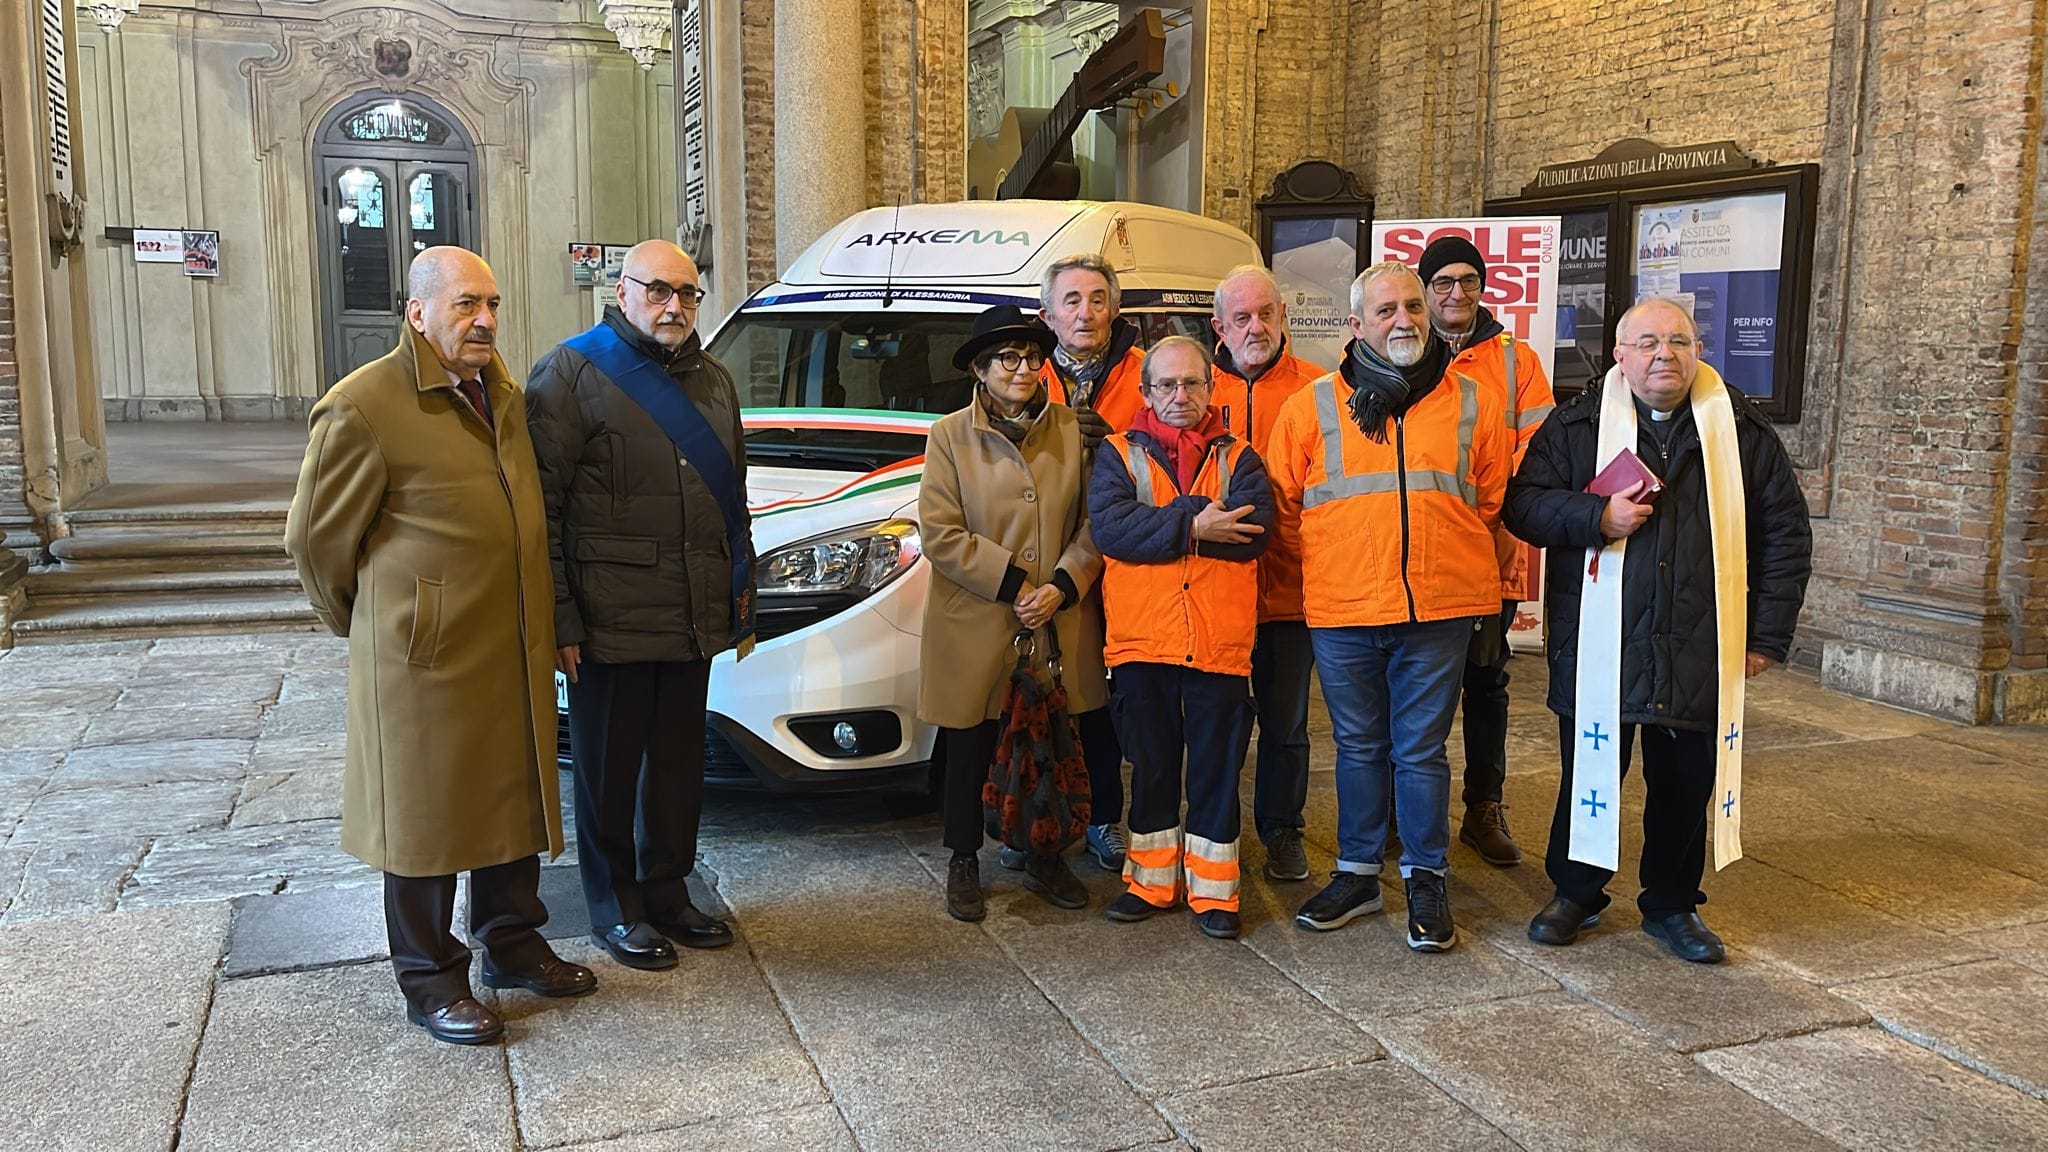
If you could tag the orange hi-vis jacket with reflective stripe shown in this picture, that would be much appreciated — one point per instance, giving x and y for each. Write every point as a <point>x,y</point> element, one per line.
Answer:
<point>1493,363</point>
<point>1192,612</point>
<point>1251,409</point>
<point>1398,532</point>
<point>1116,399</point>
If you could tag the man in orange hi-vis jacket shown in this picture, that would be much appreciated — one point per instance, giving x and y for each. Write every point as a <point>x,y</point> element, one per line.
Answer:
<point>1454,271</point>
<point>1388,476</point>
<point>1179,508</point>
<point>1255,374</point>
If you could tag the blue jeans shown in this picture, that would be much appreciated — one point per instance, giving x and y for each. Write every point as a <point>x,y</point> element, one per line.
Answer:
<point>1392,691</point>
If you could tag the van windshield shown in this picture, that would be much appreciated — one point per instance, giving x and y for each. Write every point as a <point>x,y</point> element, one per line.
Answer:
<point>901,361</point>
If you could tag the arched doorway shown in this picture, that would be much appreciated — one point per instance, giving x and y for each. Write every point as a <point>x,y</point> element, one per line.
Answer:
<point>396,175</point>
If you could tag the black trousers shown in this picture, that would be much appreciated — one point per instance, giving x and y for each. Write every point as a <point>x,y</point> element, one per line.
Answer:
<point>1176,715</point>
<point>1486,720</point>
<point>505,916</point>
<point>1104,750</point>
<point>637,735</point>
<point>1678,776</point>
<point>1282,659</point>
<point>969,752</point>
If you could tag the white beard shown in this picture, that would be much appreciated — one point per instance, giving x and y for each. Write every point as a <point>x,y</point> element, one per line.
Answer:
<point>1402,353</point>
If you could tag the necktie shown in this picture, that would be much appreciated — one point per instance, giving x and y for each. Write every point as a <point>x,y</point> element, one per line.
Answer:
<point>474,393</point>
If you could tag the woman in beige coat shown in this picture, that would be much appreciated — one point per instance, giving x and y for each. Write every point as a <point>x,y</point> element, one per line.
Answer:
<point>1005,526</point>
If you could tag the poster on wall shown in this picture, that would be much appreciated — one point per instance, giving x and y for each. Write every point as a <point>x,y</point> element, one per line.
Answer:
<point>1522,255</point>
<point>1315,259</point>
<point>614,264</point>
<point>1581,299</point>
<point>159,246</point>
<point>1720,259</point>
<point>586,261</point>
<point>202,253</point>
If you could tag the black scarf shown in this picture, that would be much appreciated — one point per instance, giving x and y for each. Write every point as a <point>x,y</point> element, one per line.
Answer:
<point>1381,390</point>
<point>1013,428</point>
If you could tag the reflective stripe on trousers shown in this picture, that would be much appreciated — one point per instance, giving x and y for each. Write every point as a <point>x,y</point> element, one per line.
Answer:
<point>1152,866</point>
<point>1345,484</point>
<point>1212,874</point>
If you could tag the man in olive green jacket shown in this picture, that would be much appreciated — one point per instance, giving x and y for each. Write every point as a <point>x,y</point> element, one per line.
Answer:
<point>419,535</point>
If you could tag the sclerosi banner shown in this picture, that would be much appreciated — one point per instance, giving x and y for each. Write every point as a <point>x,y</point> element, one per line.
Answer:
<point>1521,269</point>
<point>1521,254</point>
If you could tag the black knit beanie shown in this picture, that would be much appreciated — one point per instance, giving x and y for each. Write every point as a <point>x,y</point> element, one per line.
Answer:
<point>1450,250</point>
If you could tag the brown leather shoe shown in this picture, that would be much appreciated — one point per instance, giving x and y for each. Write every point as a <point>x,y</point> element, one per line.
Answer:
<point>463,1022</point>
<point>963,889</point>
<point>553,976</point>
<point>1485,828</point>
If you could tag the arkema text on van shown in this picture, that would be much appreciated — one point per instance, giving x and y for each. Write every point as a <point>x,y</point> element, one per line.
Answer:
<point>942,236</point>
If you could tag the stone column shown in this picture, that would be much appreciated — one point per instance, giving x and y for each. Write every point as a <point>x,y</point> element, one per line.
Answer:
<point>821,142</point>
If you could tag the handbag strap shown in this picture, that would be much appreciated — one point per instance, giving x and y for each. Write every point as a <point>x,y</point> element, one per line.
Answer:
<point>1026,644</point>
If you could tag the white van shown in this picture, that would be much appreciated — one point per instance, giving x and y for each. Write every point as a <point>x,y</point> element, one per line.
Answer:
<point>842,366</point>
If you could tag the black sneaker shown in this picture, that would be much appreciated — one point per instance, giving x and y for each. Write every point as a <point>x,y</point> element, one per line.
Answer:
<point>1429,914</point>
<point>1130,908</point>
<point>1218,923</point>
<point>1345,898</point>
<point>1285,859</point>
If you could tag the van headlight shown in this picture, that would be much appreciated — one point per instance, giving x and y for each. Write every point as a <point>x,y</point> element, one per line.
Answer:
<point>860,559</point>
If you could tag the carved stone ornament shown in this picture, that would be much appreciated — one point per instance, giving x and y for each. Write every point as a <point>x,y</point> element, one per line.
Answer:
<point>984,94</point>
<point>108,14</point>
<point>392,58</point>
<point>642,26</point>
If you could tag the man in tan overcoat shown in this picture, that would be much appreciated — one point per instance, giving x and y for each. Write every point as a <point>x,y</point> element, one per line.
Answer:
<point>419,535</point>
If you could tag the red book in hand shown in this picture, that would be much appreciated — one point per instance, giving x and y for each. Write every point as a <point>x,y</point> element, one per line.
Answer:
<point>1623,472</point>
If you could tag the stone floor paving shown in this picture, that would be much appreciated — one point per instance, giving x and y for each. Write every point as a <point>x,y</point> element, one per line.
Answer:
<point>192,963</point>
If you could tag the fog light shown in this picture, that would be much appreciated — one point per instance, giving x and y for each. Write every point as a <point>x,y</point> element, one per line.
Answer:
<point>844,736</point>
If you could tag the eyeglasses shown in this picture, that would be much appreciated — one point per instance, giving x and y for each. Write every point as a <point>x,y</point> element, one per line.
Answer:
<point>1442,285</point>
<point>661,292</point>
<point>1162,388</point>
<point>1010,361</point>
<point>1648,345</point>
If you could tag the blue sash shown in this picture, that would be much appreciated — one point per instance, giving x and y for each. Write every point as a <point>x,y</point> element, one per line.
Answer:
<point>656,392</point>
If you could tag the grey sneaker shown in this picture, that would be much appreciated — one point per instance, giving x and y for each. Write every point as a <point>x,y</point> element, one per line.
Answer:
<point>1011,858</point>
<point>1107,842</point>
<point>1285,857</point>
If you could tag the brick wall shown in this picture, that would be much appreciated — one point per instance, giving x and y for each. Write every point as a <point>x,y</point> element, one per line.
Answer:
<point>1279,90</point>
<point>1926,420</point>
<point>757,100</point>
<point>914,80</point>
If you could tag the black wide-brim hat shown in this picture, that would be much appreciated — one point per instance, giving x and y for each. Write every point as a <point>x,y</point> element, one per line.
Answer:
<point>1003,324</point>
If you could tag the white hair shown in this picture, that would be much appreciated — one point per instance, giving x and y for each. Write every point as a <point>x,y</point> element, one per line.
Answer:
<point>1244,272</point>
<point>1086,262</point>
<point>1622,326</point>
<point>1383,268</point>
<point>1145,365</point>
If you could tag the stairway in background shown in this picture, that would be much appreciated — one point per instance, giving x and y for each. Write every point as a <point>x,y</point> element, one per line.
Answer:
<point>165,572</point>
